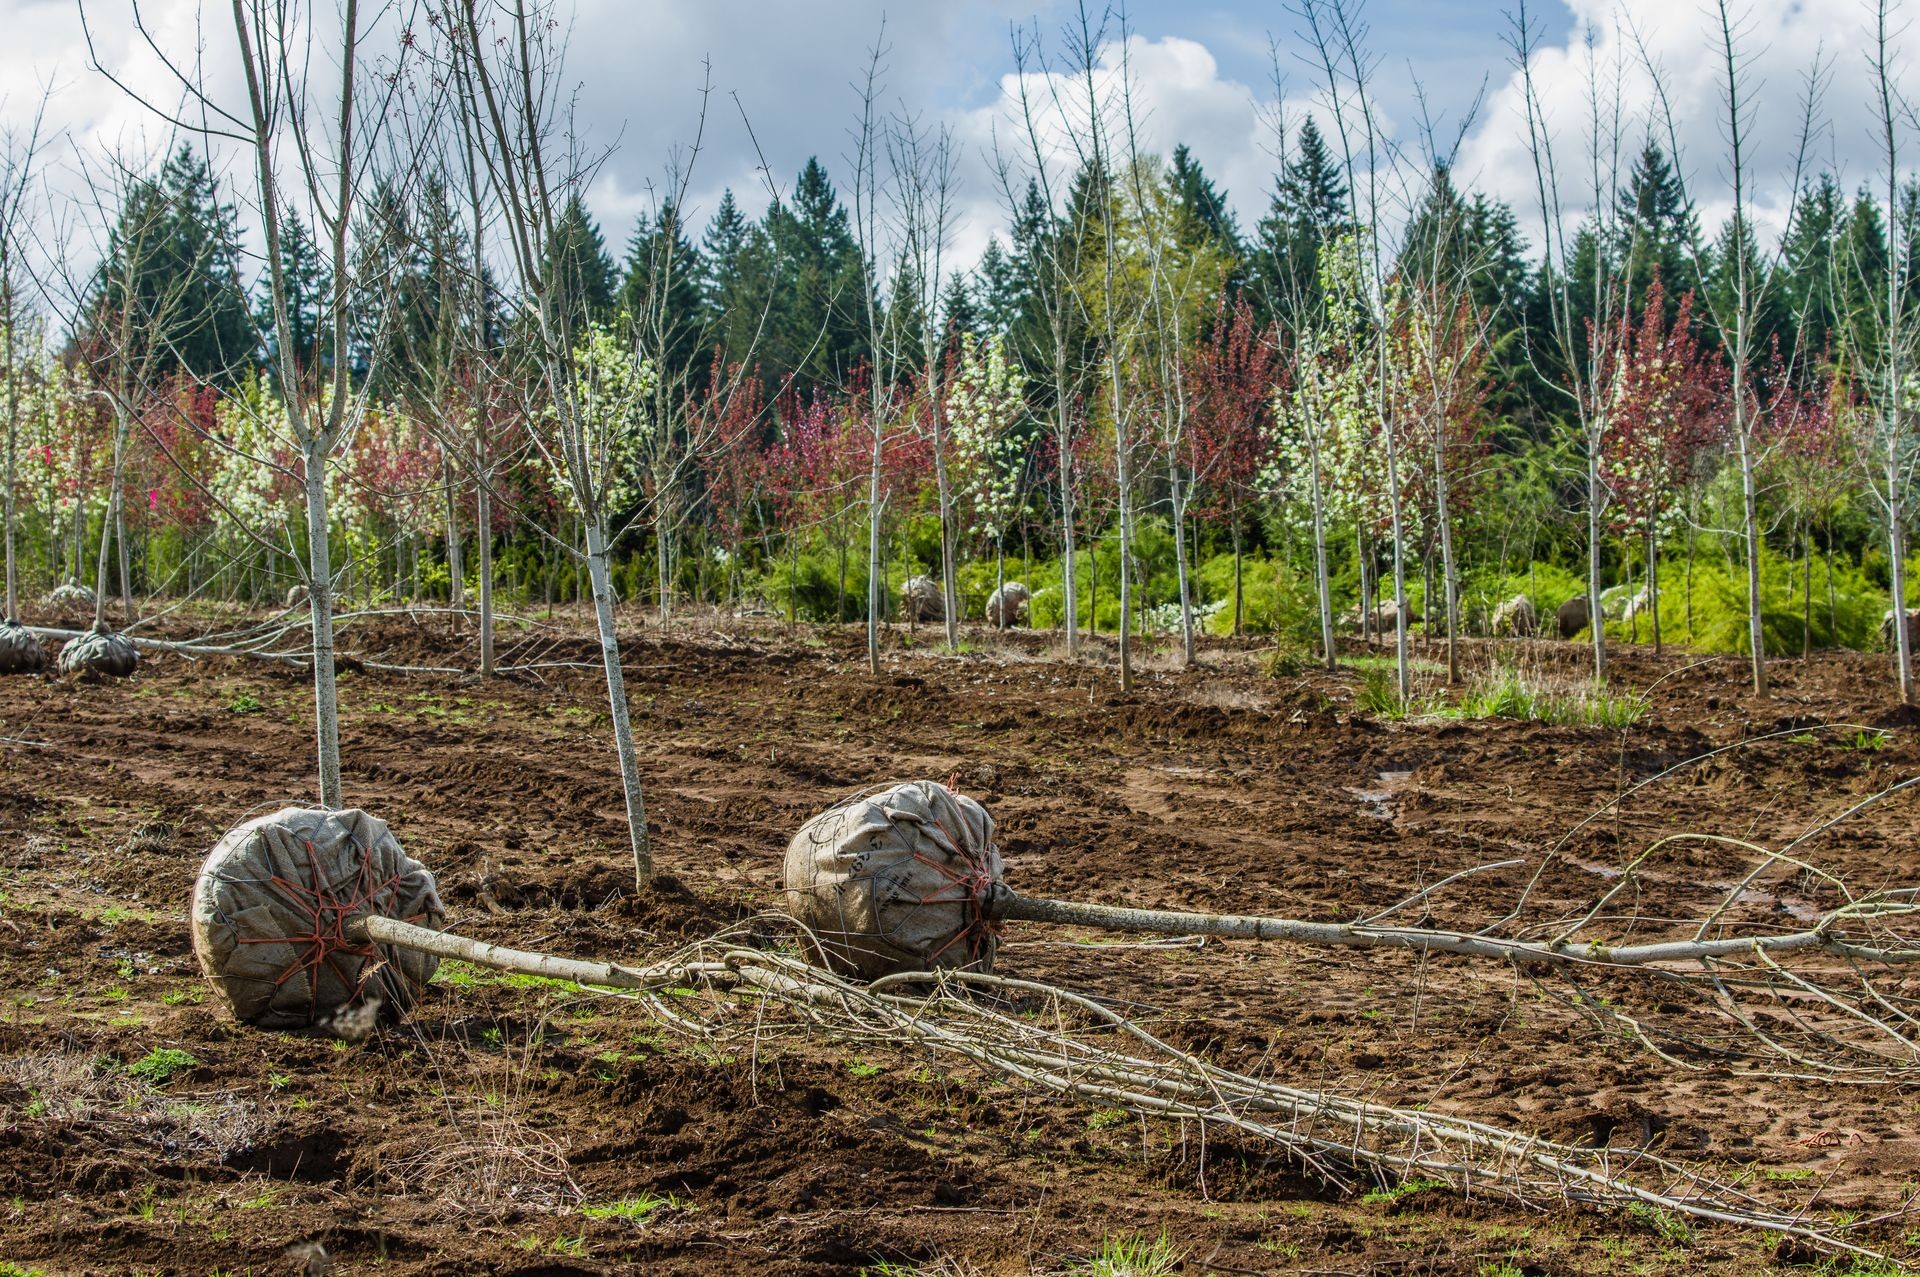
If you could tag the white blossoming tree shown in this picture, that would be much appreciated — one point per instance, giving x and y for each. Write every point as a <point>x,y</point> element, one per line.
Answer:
<point>985,400</point>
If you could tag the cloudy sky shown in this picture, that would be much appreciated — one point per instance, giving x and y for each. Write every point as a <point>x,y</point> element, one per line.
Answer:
<point>1202,73</point>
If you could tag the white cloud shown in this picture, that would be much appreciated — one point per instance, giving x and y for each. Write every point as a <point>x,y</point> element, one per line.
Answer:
<point>1777,41</point>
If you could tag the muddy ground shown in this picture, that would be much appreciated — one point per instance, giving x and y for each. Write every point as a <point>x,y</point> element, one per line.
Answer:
<point>513,1127</point>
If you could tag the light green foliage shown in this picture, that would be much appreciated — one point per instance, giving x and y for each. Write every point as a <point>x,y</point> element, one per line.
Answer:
<point>160,1065</point>
<point>633,1210</point>
<point>1131,1257</point>
<point>1400,1192</point>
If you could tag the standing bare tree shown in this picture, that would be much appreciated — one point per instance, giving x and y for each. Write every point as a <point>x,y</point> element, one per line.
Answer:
<point>1735,313</point>
<point>506,65</point>
<point>1585,314</point>
<point>18,152</point>
<point>1051,244</point>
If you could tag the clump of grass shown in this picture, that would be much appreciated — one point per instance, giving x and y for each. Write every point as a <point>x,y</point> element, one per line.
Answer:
<point>1869,742</point>
<point>1506,693</point>
<point>1669,1226</point>
<point>245,703</point>
<point>1283,662</point>
<point>1400,1192</point>
<point>1131,1257</point>
<point>160,1065</point>
<point>634,1210</point>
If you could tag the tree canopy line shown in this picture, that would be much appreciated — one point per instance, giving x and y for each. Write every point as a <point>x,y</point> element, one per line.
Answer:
<point>1250,427</point>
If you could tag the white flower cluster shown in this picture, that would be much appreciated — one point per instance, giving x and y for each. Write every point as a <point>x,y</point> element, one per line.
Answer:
<point>607,444</point>
<point>985,399</point>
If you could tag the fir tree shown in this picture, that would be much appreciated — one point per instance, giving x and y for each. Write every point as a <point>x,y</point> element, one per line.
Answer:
<point>582,274</point>
<point>1656,232</point>
<point>185,250</point>
<point>1309,207</point>
<point>661,296</point>
<point>816,324</point>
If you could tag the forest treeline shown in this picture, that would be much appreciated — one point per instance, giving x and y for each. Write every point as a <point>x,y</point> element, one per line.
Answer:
<point>1161,419</point>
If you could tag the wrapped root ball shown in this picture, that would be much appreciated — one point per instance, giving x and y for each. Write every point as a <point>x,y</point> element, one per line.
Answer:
<point>69,596</point>
<point>20,651</point>
<point>921,600</point>
<point>273,910</point>
<point>1007,605</point>
<point>100,654</point>
<point>898,881</point>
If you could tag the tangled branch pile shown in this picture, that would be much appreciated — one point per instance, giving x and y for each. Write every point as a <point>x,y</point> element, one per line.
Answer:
<point>734,986</point>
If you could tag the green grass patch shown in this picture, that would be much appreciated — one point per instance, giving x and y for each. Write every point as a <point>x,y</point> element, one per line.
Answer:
<point>1400,1192</point>
<point>634,1210</point>
<point>160,1065</point>
<point>1131,1257</point>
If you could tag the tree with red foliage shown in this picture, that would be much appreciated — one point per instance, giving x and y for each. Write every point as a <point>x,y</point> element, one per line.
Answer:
<point>1669,402</point>
<point>735,466</point>
<point>1231,375</point>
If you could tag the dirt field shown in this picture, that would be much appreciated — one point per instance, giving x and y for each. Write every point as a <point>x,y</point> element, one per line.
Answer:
<point>1215,788</point>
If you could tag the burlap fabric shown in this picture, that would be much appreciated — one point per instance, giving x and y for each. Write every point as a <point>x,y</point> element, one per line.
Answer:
<point>1515,618</point>
<point>100,653</point>
<point>272,910</point>
<point>896,881</point>
<point>20,651</point>
<point>1007,605</point>
<point>921,600</point>
<point>69,594</point>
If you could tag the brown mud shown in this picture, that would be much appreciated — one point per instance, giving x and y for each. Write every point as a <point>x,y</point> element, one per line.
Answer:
<point>1214,788</point>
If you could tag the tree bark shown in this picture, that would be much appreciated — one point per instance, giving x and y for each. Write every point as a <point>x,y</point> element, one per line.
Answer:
<point>598,573</point>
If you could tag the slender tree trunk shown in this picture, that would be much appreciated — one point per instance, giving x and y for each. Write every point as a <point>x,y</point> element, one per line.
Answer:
<point>1750,519</point>
<point>1688,587</point>
<point>326,704</point>
<point>126,555</point>
<point>1653,586</point>
<point>1449,575</point>
<point>599,574</point>
<point>1806,591</point>
<point>1063,435</point>
<point>1000,579</point>
<point>483,548</point>
<point>1093,587</point>
<point>456,564</point>
<point>1833,598</point>
<point>873,557</point>
<point>1897,548</point>
<point>1321,568</point>
<point>663,567</point>
<point>1237,592</point>
<point>949,590</point>
<point>1180,565</point>
<point>13,444</point>
<point>1594,546</point>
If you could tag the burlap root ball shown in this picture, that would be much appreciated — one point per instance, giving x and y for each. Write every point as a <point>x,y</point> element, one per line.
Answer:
<point>68,595</point>
<point>1007,605</point>
<point>272,910</point>
<point>100,653</point>
<point>897,881</point>
<point>921,600</point>
<point>20,651</point>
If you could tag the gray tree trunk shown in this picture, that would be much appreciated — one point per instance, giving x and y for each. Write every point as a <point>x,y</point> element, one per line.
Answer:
<point>599,574</point>
<point>326,705</point>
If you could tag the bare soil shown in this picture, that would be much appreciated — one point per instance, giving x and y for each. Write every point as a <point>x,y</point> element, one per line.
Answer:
<point>455,1143</point>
